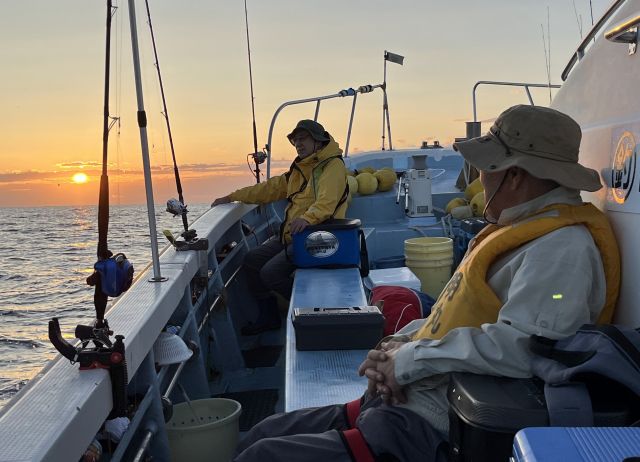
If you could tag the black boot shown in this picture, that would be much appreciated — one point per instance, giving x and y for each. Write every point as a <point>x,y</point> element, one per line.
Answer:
<point>268,318</point>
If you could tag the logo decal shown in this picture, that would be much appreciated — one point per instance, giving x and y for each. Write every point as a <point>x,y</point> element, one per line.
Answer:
<point>623,170</point>
<point>321,244</point>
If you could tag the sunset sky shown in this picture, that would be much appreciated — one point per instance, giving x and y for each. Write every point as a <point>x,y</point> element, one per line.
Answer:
<point>52,83</point>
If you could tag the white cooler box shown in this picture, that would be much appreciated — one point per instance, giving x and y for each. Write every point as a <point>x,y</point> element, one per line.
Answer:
<point>392,277</point>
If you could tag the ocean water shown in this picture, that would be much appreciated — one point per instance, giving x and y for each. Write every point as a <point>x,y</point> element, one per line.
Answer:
<point>46,255</point>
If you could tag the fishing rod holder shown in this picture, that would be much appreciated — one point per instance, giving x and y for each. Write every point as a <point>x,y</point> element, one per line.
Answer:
<point>97,351</point>
<point>193,244</point>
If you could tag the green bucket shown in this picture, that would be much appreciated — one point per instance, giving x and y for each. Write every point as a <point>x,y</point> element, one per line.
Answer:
<point>210,435</point>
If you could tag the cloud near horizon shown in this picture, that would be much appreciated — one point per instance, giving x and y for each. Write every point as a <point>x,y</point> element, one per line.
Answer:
<point>201,182</point>
<point>93,171</point>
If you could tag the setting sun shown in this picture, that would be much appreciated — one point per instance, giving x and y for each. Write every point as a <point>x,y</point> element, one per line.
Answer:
<point>80,178</point>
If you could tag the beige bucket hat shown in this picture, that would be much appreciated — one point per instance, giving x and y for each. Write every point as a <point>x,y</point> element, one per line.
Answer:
<point>540,140</point>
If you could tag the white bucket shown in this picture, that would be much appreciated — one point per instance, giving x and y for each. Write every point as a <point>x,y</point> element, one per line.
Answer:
<point>431,259</point>
<point>211,437</point>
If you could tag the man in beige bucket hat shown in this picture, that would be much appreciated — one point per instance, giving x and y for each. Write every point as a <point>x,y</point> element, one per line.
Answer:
<point>540,141</point>
<point>546,265</point>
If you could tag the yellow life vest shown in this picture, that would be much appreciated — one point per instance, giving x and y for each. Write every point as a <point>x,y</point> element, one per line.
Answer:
<point>468,301</point>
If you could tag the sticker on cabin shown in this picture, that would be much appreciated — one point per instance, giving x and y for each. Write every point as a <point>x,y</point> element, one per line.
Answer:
<point>623,170</point>
<point>321,244</point>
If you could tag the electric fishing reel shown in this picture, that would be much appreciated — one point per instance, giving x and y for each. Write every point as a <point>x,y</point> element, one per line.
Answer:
<point>114,274</point>
<point>97,351</point>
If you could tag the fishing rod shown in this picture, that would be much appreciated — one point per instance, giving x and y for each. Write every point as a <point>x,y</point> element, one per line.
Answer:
<point>173,206</point>
<point>258,156</point>
<point>112,276</point>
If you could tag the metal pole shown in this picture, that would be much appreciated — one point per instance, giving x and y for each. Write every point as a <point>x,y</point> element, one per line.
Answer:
<point>315,116</point>
<point>510,84</point>
<point>526,87</point>
<point>388,120</point>
<point>384,95</point>
<point>353,111</point>
<point>317,99</point>
<point>174,380</point>
<point>144,142</point>
<point>139,457</point>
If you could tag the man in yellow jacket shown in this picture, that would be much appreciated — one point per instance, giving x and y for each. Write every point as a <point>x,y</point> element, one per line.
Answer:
<point>316,189</point>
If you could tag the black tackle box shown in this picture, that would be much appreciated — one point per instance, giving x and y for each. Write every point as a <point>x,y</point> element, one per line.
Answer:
<point>485,412</point>
<point>337,328</point>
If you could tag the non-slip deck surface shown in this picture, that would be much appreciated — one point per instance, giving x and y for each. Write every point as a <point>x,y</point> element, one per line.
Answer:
<point>318,378</point>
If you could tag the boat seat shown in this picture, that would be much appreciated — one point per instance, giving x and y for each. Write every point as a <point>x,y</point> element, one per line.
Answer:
<point>319,378</point>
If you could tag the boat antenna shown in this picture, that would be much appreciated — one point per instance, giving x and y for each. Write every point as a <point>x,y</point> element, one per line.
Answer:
<point>258,156</point>
<point>578,17</point>
<point>547,57</point>
<point>173,206</point>
<point>398,59</point>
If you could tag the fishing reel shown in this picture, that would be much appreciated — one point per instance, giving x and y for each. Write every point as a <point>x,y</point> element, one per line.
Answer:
<point>258,157</point>
<point>114,274</point>
<point>103,354</point>
<point>177,208</point>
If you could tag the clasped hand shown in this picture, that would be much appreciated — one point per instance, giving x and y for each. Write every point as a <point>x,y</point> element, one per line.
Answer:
<point>379,368</point>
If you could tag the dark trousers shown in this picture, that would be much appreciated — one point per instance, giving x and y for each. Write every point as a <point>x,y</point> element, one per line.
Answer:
<point>268,268</point>
<point>392,433</point>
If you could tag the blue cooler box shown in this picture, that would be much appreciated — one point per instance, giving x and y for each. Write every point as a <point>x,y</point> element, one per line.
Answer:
<point>336,243</point>
<point>569,444</point>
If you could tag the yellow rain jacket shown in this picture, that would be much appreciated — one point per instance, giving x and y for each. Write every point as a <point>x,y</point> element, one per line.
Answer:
<point>315,187</point>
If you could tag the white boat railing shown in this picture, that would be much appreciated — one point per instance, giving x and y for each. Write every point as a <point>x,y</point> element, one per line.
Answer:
<point>341,94</point>
<point>525,85</point>
<point>579,53</point>
<point>59,412</point>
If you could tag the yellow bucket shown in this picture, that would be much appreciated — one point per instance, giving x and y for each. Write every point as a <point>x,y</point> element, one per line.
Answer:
<point>431,260</point>
<point>205,431</point>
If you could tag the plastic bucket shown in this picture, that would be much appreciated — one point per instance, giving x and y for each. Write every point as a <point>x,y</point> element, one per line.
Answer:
<point>210,435</point>
<point>431,260</point>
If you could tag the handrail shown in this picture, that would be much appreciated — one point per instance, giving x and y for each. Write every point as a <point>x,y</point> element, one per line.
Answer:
<point>579,53</point>
<point>317,99</point>
<point>621,32</point>
<point>512,84</point>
